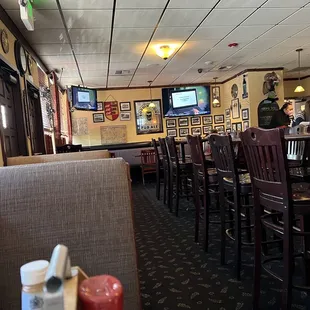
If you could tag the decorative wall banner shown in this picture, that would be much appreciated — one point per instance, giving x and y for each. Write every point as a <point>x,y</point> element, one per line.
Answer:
<point>80,126</point>
<point>148,116</point>
<point>111,110</point>
<point>113,134</point>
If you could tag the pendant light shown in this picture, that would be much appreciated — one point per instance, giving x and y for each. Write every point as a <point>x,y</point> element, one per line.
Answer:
<point>299,88</point>
<point>152,104</point>
<point>215,101</point>
<point>165,51</point>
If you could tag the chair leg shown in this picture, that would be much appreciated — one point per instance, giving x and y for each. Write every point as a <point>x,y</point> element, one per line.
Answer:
<point>177,192</point>
<point>170,189</point>
<point>158,183</point>
<point>237,231</point>
<point>165,186</point>
<point>288,261</point>
<point>257,255</point>
<point>248,219</point>
<point>197,207</point>
<point>223,224</point>
<point>305,227</point>
<point>143,177</point>
<point>206,203</point>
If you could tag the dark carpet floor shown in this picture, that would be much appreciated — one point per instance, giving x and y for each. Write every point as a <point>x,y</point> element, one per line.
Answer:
<point>175,273</point>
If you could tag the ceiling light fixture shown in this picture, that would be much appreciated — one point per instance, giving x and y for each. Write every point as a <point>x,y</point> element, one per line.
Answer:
<point>165,51</point>
<point>215,101</point>
<point>299,88</point>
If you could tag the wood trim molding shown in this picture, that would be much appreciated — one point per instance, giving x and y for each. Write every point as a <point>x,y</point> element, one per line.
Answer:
<point>296,79</point>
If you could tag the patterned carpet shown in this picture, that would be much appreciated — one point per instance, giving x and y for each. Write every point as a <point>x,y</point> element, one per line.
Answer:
<point>175,273</point>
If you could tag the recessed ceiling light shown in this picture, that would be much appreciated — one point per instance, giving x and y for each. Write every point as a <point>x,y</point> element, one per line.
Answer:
<point>209,62</point>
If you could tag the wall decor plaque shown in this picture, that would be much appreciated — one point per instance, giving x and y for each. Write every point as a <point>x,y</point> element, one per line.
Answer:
<point>111,110</point>
<point>113,134</point>
<point>5,41</point>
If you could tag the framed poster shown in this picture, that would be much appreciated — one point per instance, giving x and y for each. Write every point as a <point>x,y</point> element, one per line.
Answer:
<point>239,126</point>
<point>227,113</point>
<point>124,106</point>
<point>228,123</point>
<point>234,127</point>
<point>183,132</point>
<point>207,120</point>
<point>219,128</point>
<point>125,116</point>
<point>207,129</point>
<point>171,123</point>
<point>235,108</point>
<point>216,95</point>
<point>246,125</point>
<point>219,119</point>
<point>171,132</point>
<point>245,114</point>
<point>148,116</point>
<point>98,117</point>
<point>183,122</point>
<point>99,106</point>
<point>196,131</point>
<point>195,120</point>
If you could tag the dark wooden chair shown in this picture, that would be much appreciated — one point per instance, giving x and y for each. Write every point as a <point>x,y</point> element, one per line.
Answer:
<point>148,163</point>
<point>180,174</point>
<point>204,184</point>
<point>166,168</point>
<point>69,148</point>
<point>235,190</point>
<point>159,168</point>
<point>266,156</point>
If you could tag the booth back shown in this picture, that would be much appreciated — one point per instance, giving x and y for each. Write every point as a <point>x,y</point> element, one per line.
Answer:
<point>85,205</point>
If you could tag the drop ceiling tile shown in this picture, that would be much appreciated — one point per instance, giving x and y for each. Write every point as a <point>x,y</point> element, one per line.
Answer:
<point>294,42</point>
<point>82,4</point>
<point>70,73</point>
<point>224,44</point>
<point>240,4</point>
<point>245,33</point>
<point>88,19</point>
<point>128,47</point>
<point>268,16</point>
<point>94,66</point>
<point>304,33</point>
<point>211,33</point>
<point>264,43</point>
<point>286,3</point>
<point>94,73</point>
<point>151,70</point>
<point>227,17</point>
<point>132,34</point>
<point>172,33</point>
<point>140,4</point>
<point>52,49</point>
<point>137,18</point>
<point>13,5</point>
<point>190,4</point>
<point>127,57</point>
<point>71,81</point>
<point>58,59</point>
<point>283,31</point>
<point>301,17</point>
<point>143,78</point>
<point>179,17</point>
<point>124,65</point>
<point>95,83</point>
<point>138,84</point>
<point>92,58</point>
<point>217,55</point>
<point>93,48</point>
<point>165,79</point>
<point>185,79</point>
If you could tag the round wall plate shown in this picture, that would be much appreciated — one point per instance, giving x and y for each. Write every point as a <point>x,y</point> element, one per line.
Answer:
<point>234,91</point>
<point>29,64</point>
<point>5,41</point>
<point>20,58</point>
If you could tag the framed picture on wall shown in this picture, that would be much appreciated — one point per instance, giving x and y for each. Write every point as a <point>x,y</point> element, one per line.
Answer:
<point>245,114</point>
<point>125,116</point>
<point>183,132</point>
<point>219,119</point>
<point>124,106</point>
<point>239,126</point>
<point>235,108</point>
<point>246,125</point>
<point>98,117</point>
<point>227,113</point>
<point>207,129</point>
<point>171,132</point>
<point>216,95</point>
<point>183,122</point>
<point>220,128</point>
<point>170,123</point>
<point>195,121</point>
<point>196,131</point>
<point>99,106</point>
<point>234,127</point>
<point>206,120</point>
<point>148,116</point>
<point>228,123</point>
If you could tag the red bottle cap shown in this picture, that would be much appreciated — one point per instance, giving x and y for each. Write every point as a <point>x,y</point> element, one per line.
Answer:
<point>101,293</point>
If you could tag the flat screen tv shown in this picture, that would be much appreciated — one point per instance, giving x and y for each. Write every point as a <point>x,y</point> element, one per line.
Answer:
<point>186,101</point>
<point>84,98</point>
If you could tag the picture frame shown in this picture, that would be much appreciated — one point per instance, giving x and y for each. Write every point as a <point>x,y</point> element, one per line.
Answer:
<point>228,130</point>
<point>196,131</point>
<point>215,90</point>
<point>195,121</point>
<point>246,125</point>
<point>235,108</point>
<point>219,119</point>
<point>148,117</point>
<point>98,118</point>
<point>239,126</point>
<point>207,129</point>
<point>183,122</point>
<point>124,106</point>
<point>234,127</point>
<point>183,132</point>
<point>171,123</point>
<point>171,133</point>
<point>99,106</point>
<point>206,120</point>
<point>227,113</point>
<point>220,128</point>
<point>245,114</point>
<point>228,123</point>
<point>125,116</point>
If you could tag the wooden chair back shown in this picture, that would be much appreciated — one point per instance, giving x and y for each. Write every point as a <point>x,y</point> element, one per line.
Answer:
<point>148,157</point>
<point>172,151</point>
<point>155,146</point>
<point>197,156</point>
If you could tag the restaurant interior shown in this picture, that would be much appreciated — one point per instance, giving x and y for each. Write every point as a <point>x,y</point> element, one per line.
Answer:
<point>163,145</point>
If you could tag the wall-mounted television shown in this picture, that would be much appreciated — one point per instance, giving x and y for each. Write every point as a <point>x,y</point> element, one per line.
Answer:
<point>84,98</point>
<point>186,101</point>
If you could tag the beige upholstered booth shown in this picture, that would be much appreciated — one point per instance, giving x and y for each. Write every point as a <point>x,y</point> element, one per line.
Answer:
<point>85,205</point>
<point>40,159</point>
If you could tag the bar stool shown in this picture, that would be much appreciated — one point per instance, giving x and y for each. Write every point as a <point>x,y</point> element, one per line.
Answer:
<point>159,168</point>
<point>266,156</point>
<point>205,184</point>
<point>180,174</point>
<point>235,191</point>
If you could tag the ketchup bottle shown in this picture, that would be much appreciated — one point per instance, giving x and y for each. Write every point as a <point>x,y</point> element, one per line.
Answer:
<point>101,293</point>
